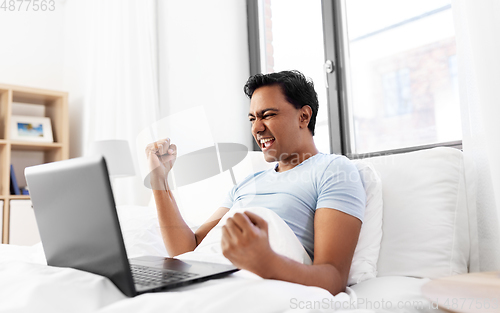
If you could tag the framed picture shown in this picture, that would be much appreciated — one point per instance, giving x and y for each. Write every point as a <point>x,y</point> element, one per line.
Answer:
<point>31,128</point>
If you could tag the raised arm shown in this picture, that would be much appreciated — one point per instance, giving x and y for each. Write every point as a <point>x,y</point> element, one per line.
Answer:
<point>176,234</point>
<point>245,242</point>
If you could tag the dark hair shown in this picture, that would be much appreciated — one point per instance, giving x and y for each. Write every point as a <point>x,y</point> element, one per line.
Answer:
<point>298,90</point>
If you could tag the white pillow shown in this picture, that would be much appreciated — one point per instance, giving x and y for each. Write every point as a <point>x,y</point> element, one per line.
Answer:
<point>281,238</point>
<point>425,225</point>
<point>364,261</point>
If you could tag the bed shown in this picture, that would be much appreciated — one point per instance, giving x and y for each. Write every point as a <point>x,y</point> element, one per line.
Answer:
<point>418,226</point>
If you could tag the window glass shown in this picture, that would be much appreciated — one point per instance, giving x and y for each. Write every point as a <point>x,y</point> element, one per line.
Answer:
<point>403,88</point>
<point>291,37</point>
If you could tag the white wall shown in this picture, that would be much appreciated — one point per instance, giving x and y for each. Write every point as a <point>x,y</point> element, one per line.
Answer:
<point>74,76</point>
<point>31,54</point>
<point>38,50</point>
<point>32,48</point>
<point>203,58</point>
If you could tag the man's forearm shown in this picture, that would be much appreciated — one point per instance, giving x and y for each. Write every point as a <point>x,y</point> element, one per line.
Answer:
<point>177,236</point>
<point>325,276</point>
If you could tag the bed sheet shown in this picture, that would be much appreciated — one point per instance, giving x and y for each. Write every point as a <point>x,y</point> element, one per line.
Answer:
<point>27,284</point>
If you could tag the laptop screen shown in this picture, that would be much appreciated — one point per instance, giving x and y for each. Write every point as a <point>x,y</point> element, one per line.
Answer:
<point>77,219</point>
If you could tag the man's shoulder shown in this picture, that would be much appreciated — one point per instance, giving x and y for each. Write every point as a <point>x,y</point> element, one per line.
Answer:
<point>333,165</point>
<point>330,160</point>
<point>329,156</point>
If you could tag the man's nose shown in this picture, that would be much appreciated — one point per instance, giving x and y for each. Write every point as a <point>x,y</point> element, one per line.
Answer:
<point>258,126</point>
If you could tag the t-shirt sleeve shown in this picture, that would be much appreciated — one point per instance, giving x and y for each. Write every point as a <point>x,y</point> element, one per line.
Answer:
<point>229,199</point>
<point>340,188</point>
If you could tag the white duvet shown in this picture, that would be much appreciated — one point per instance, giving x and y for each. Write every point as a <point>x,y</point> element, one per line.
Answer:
<point>27,284</point>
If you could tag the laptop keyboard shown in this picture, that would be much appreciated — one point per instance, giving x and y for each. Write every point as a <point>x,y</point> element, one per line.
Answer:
<point>148,276</point>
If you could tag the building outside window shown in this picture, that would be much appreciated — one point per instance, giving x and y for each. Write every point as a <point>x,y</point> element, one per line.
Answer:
<point>397,92</point>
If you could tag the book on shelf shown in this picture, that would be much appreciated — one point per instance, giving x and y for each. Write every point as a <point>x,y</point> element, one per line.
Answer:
<point>25,191</point>
<point>14,188</point>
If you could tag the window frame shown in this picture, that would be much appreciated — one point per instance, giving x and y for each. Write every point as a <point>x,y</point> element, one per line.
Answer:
<point>253,25</point>
<point>339,113</point>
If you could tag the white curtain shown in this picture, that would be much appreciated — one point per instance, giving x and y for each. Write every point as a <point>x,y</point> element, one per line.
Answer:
<point>120,78</point>
<point>477,26</point>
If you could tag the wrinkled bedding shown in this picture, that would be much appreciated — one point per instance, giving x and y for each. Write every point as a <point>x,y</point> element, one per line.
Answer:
<point>27,284</point>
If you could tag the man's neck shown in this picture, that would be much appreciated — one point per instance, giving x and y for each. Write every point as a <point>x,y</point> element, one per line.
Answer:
<point>296,159</point>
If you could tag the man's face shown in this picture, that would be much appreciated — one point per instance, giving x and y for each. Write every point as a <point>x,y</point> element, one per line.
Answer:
<point>275,123</point>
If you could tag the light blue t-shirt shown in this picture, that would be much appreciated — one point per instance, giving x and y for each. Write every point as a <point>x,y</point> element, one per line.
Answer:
<point>321,181</point>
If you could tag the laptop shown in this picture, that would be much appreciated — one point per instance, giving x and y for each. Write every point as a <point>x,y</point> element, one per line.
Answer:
<point>79,228</point>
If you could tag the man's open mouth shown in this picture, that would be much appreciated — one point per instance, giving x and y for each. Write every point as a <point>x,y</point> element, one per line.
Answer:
<point>266,143</point>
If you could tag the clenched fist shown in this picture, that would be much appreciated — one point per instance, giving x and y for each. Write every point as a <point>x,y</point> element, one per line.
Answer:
<point>161,157</point>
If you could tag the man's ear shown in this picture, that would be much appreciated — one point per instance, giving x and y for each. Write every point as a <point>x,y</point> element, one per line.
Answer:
<point>305,115</point>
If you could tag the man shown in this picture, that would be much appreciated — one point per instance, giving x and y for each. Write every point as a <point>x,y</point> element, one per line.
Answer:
<point>319,196</point>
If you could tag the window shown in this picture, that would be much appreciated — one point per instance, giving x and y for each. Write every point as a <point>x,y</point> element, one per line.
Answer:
<point>291,38</point>
<point>394,86</point>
